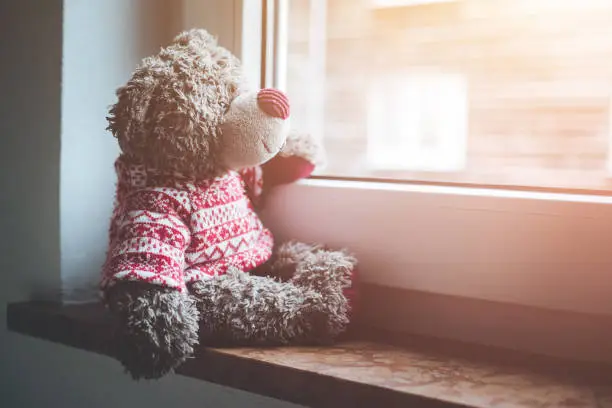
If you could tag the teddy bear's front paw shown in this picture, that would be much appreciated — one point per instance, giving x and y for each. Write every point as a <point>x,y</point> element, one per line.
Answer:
<point>158,329</point>
<point>304,145</point>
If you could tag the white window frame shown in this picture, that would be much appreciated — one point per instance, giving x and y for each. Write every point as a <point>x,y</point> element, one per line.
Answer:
<point>382,4</point>
<point>543,249</point>
<point>609,153</point>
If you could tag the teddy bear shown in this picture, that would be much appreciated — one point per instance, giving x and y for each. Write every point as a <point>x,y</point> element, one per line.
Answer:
<point>189,262</point>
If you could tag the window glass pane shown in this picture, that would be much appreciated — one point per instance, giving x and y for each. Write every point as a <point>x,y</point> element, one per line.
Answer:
<point>497,92</point>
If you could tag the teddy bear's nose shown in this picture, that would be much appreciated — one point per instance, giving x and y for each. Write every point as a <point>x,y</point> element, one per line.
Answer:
<point>273,102</point>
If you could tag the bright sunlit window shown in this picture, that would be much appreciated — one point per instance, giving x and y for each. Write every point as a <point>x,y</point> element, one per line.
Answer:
<point>486,92</point>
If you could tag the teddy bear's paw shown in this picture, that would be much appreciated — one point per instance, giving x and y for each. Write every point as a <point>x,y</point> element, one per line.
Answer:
<point>304,145</point>
<point>327,318</point>
<point>158,329</point>
<point>325,271</point>
<point>331,275</point>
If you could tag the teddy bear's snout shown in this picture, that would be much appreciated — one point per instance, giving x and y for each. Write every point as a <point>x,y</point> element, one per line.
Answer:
<point>273,102</point>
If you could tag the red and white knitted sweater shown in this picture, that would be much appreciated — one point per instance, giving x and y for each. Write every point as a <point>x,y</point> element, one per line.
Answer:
<point>171,230</point>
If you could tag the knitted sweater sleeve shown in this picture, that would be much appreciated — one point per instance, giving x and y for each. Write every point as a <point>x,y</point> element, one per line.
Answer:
<point>252,179</point>
<point>151,239</point>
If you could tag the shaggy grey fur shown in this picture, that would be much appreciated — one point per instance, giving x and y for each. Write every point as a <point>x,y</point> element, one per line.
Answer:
<point>307,308</point>
<point>169,117</point>
<point>328,273</point>
<point>158,328</point>
<point>168,114</point>
<point>242,309</point>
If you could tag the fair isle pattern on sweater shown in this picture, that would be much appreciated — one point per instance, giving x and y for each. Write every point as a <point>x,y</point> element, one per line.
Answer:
<point>253,180</point>
<point>171,230</point>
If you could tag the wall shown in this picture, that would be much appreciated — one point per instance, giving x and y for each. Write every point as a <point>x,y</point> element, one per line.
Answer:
<point>97,58</point>
<point>61,63</point>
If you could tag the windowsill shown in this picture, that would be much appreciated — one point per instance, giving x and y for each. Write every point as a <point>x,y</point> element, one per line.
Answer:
<point>365,371</point>
<point>526,248</point>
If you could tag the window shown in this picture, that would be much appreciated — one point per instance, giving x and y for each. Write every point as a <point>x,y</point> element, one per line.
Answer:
<point>478,92</point>
<point>496,142</point>
<point>415,122</point>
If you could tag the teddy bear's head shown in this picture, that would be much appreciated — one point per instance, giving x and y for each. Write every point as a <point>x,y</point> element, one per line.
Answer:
<point>188,110</point>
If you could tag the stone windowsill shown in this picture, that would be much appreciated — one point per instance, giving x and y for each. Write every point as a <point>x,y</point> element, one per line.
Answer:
<point>362,372</point>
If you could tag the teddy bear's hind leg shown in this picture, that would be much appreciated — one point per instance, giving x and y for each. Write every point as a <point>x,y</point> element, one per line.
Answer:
<point>158,328</point>
<point>287,256</point>
<point>243,309</point>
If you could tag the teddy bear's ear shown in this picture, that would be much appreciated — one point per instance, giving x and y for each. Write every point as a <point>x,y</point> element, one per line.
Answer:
<point>126,117</point>
<point>168,114</point>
